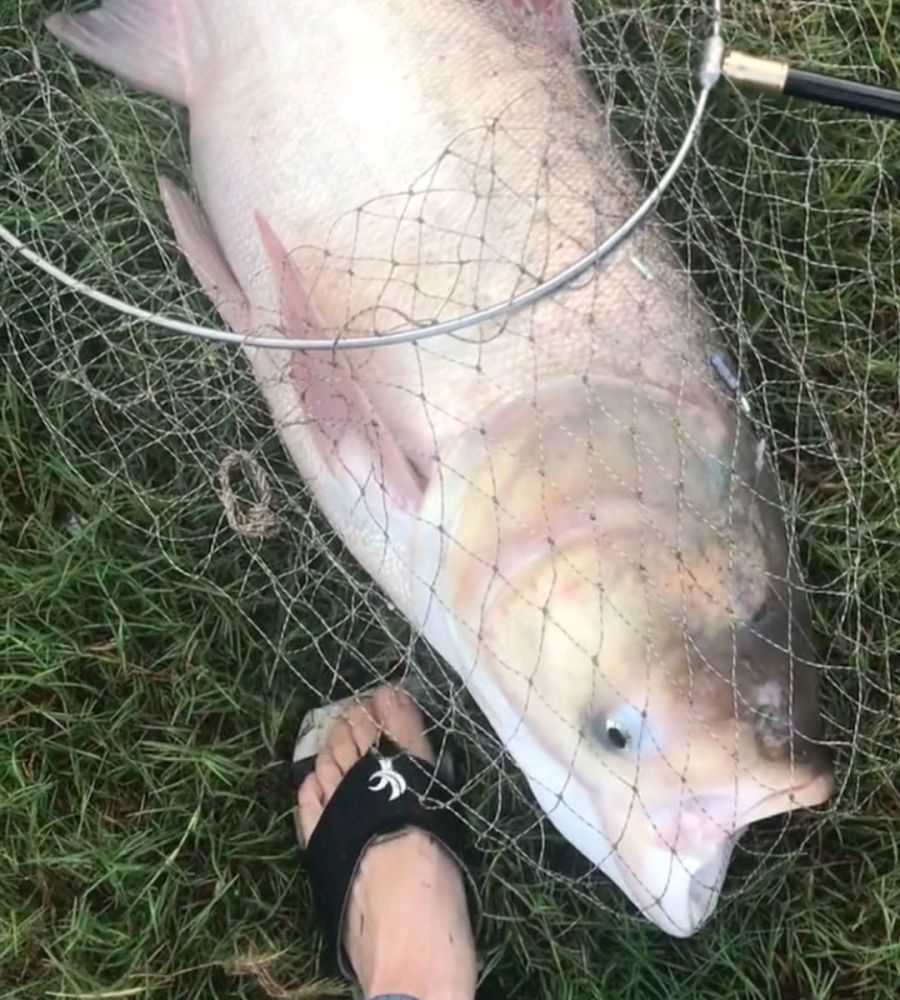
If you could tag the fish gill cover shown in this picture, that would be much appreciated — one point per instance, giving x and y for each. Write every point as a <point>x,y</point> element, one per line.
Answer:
<point>566,538</point>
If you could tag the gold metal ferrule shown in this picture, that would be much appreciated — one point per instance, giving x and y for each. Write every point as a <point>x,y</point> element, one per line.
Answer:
<point>768,75</point>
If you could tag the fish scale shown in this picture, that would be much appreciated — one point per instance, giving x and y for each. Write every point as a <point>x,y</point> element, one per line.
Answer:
<point>448,92</point>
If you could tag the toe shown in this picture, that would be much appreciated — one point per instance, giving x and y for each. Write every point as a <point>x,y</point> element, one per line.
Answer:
<point>390,710</point>
<point>402,720</point>
<point>343,745</point>
<point>361,720</point>
<point>328,772</point>
<point>309,807</point>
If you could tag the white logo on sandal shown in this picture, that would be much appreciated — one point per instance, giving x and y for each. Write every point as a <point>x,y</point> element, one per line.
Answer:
<point>387,777</point>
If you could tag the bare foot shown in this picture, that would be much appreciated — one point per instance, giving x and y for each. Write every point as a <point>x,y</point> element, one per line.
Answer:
<point>407,928</point>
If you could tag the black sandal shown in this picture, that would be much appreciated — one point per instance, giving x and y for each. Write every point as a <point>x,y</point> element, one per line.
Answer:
<point>386,792</point>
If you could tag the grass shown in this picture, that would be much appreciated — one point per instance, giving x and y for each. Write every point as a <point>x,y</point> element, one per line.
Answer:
<point>153,665</point>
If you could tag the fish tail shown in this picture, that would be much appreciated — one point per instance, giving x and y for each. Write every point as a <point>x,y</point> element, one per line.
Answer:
<point>142,41</point>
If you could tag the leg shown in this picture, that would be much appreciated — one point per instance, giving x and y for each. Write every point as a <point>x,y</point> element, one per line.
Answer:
<point>407,930</point>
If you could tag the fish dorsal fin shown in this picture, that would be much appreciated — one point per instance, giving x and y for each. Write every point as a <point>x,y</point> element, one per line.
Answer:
<point>351,434</point>
<point>141,41</point>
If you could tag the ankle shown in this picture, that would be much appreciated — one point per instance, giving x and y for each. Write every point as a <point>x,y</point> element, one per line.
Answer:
<point>450,976</point>
<point>433,992</point>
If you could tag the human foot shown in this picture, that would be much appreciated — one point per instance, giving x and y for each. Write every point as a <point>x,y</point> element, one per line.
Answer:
<point>407,928</point>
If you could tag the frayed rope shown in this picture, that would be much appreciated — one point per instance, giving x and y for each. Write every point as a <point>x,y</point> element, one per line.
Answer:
<point>258,520</point>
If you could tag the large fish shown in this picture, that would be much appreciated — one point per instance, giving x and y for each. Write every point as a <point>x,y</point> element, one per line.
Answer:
<point>567,503</point>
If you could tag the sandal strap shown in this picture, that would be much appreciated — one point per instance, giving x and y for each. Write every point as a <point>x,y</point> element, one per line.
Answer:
<point>386,790</point>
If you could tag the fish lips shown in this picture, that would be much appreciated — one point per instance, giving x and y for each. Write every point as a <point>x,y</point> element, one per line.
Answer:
<point>677,855</point>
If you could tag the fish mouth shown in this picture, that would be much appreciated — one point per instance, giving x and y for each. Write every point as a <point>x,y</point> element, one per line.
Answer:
<point>818,789</point>
<point>675,886</point>
<point>675,865</point>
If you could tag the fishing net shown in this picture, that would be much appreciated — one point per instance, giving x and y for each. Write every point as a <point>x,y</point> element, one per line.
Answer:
<point>784,214</point>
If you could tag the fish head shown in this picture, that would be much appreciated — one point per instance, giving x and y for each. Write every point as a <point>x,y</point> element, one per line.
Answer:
<point>654,654</point>
<point>670,739</point>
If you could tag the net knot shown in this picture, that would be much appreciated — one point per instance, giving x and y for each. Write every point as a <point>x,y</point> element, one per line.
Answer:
<point>258,520</point>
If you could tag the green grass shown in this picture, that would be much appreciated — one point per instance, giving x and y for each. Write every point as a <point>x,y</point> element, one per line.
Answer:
<point>153,666</point>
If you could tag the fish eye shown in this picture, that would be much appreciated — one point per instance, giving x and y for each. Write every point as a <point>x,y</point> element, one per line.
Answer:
<point>617,730</point>
<point>616,736</point>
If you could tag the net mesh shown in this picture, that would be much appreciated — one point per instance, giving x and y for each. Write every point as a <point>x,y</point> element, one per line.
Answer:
<point>784,217</point>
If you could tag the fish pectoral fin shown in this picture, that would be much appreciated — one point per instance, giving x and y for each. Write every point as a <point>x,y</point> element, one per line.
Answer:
<point>556,18</point>
<point>199,245</point>
<point>141,41</point>
<point>354,440</point>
